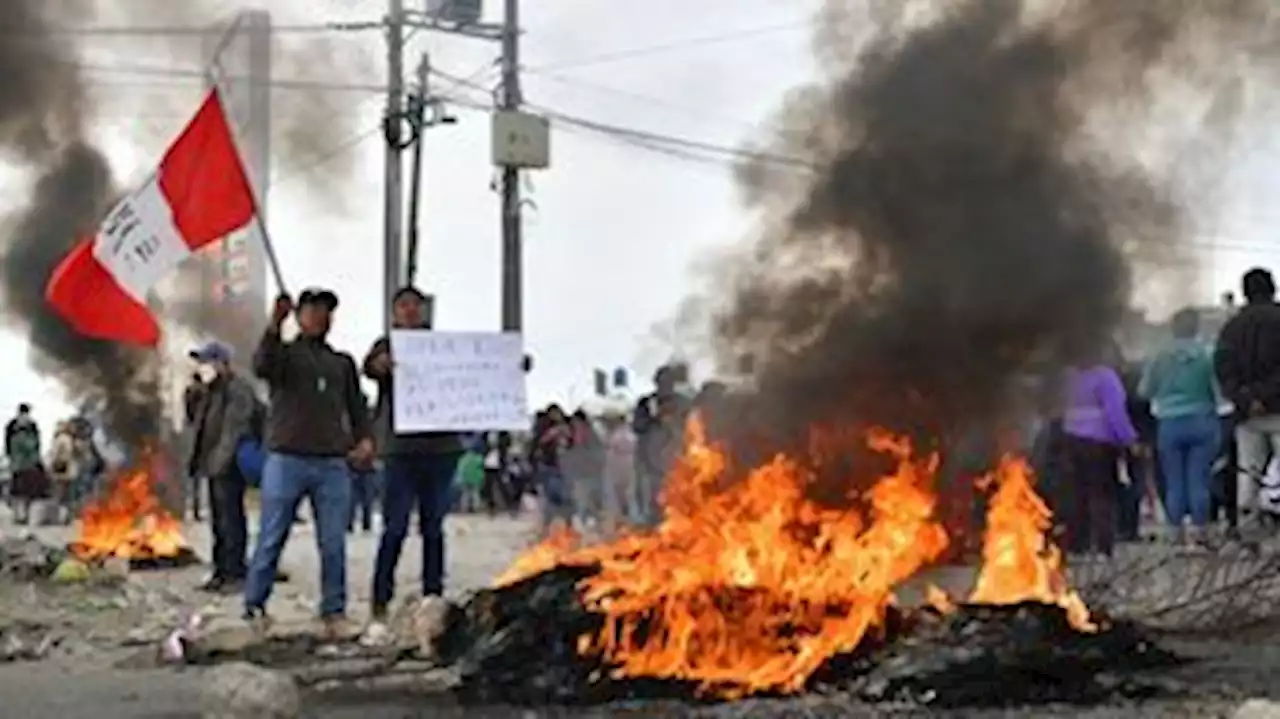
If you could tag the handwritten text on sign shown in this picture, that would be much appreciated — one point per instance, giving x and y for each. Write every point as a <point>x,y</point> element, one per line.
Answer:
<point>458,381</point>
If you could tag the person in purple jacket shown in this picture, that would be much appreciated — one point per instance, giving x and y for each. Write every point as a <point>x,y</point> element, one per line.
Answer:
<point>1096,431</point>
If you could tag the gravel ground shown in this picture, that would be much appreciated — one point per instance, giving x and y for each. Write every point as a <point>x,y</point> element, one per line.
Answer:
<point>35,692</point>
<point>82,680</point>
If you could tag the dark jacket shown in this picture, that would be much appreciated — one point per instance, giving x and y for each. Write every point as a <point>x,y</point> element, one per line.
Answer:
<point>1247,358</point>
<point>316,408</point>
<point>658,422</point>
<point>222,415</point>
<point>390,443</point>
<point>191,398</point>
<point>22,444</point>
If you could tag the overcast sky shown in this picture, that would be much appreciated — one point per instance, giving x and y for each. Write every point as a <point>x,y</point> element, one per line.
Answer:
<point>617,230</point>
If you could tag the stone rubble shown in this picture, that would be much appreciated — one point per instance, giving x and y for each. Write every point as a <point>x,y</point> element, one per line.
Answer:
<point>240,690</point>
<point>27,642</point>
<point>1258,709</point>
<point>430,620</point>
<point>25,558</point>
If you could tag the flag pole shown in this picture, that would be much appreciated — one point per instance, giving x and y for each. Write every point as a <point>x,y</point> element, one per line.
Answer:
<point>268,248</point>
<point>259,220</point>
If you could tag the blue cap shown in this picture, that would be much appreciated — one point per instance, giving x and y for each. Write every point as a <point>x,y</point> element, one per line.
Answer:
<point>211,352</point>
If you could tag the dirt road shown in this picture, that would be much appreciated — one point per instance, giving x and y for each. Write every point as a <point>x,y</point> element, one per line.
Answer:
<point>86,684</point>
<point>82,681</point>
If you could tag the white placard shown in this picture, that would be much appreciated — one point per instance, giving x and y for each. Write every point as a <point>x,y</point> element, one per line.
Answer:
<point>458,381</point>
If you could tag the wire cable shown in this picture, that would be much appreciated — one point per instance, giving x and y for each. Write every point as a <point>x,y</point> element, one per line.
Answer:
<point>648,50</point>
<point>644,135</point>
<point>134,31</point>
<point>687,110</point>
<point>200,76</point>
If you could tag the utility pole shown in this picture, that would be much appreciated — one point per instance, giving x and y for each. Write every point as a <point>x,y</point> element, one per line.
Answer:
<point>518,143</point>
<point>512,240</point>
<point>393,227</point>
<point>425,112</point>
<point>418,105</point>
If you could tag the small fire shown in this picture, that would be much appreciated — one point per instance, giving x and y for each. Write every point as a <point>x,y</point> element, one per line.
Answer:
<point>129,522</point>
<point>542,557</point>
<point>749,586</point>
<point>1019,563</point>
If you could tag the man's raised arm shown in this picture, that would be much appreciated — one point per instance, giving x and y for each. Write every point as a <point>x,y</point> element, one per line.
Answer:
<point>268,358</point>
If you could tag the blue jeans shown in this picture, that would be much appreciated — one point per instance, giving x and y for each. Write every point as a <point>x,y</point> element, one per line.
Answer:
<point>286,479</point>
<point>364,495</point>
<point>424,480</point>
<point>1187,448</point>
<point>556,496</point>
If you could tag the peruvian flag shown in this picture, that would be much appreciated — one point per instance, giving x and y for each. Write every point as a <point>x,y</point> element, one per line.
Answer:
<point>199,194</point>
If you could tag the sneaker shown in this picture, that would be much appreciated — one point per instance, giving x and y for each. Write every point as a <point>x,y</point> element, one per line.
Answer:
<point>225,586</point>
<point>211,584</point>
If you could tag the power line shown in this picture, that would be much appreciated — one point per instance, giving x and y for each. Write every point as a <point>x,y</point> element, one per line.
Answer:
<point>688,110</point>
<point>724,151</point>
<point>680,142</point>
<point>647,50</point>
<point>201,76</point>
<point>325,157</point>
<point>134,31</point>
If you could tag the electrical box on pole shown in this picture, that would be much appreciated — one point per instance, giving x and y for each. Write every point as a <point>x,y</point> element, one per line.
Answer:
<point>521,140</point>
<point>458,12</point>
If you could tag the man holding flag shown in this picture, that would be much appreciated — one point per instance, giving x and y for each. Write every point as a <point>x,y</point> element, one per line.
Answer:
<point>199,194</point>
<point>317,425</point>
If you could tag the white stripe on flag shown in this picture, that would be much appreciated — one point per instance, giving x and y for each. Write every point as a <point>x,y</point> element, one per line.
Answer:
<point>138,243</point>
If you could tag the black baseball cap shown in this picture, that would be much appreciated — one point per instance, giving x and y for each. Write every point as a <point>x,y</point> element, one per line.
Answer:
<point>318,296</point>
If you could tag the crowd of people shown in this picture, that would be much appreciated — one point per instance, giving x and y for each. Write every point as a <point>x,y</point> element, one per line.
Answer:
<point>60,475</point>
<point>324,443</point>
<point>1193,431</point>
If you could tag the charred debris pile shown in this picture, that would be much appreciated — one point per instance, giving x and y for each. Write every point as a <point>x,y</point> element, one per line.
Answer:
<point>519,644</point>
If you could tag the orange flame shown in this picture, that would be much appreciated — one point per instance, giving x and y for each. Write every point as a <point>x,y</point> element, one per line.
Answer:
<point>542,557</point>
<point>129,523</point>
<point>1019,563</point>
<point>750,586</point>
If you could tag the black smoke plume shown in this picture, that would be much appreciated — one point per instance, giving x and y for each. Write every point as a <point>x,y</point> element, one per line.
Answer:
<point>965,198</point>
<point>42,128</point>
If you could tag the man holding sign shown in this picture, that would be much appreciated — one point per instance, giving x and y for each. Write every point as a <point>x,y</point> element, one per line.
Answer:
<point>418,470</point>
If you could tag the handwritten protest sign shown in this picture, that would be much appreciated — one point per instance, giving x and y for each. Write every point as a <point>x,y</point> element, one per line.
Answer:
<point>458,381</point>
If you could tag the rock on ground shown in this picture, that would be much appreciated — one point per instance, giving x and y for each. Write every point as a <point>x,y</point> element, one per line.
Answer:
<point>429,621</point>
<point>245,691</point>
<point>1258,709</point>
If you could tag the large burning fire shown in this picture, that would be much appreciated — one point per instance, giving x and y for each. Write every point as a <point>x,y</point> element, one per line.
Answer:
<point>128,522</point>
<point>750,586</point>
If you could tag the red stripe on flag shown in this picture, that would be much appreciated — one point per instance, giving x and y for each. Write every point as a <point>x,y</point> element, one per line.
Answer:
<point>87,296</point>
<point>204,179</point>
